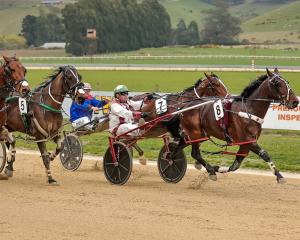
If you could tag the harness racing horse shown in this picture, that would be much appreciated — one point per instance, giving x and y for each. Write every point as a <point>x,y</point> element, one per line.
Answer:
<point>205,89</point>
<point>169,161</point>
<point>12,81</point>
<point>158,125</point>
<point>44,118</point>
<point>245,118</point>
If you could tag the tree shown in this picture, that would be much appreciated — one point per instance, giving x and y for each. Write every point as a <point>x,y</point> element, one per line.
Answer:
<point>156,24</point>
<point>121,24</point>
<point>181,33</point>
<point>46,28</point>
<point>193,33</point>
<point>219,26</point>
<point>28,29</point>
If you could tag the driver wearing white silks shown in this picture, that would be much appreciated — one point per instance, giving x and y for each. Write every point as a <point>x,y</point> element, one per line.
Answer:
<point>125,113</point>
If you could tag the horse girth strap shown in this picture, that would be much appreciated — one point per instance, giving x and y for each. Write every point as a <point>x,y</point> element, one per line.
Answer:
<point>49,108</point>
<point>11,98</point>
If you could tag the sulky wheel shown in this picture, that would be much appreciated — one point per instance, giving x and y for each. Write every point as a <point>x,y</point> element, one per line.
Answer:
<point>171,170</point>
<point>118,172</point>
<point>72,152</point>
<point>2,155</point>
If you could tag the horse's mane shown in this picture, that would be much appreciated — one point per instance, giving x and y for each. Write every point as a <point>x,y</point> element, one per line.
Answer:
<point>252,86</point>
<point>199,81</point>
<point>50,78</point>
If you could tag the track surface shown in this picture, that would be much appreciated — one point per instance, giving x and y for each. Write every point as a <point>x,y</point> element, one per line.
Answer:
<point>86,206</point>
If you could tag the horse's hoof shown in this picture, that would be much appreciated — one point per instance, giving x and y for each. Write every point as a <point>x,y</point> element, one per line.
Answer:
<point>52,182</point>
<point>213,177</point>
<point>281,180</point>
<point>216,168</point>
<point>197,165</point>
<point>143,160</point>
<point>8,173</point>
<point>3,177</point>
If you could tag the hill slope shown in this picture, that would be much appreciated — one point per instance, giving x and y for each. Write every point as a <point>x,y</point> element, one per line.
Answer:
<point>282,24</point>
<point>261,21</point>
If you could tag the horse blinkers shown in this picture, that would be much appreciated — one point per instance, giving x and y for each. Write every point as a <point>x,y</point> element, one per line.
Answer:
<point>278,83</point>
<point>72,88</point>
<point>7,71</point>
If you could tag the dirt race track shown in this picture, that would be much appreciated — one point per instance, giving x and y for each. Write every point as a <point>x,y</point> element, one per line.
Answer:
<point>86,206</point>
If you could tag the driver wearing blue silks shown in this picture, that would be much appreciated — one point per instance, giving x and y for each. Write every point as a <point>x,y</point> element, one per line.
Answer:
<point>82,109</point>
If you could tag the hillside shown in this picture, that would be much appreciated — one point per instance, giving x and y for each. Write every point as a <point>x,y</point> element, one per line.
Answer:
<point>281,25</point>
<point>12,13</point>
<point>188,10</point>
<point>261,21</point>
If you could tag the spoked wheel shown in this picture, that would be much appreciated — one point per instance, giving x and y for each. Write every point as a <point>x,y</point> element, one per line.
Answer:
<point>72,152</point>
<point>118,172</point>
<point>171,170</point>
<point>2,155</point>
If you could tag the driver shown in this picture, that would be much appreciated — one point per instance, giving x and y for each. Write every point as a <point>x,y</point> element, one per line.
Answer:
<point>82,109</point>
<point>125,113</point>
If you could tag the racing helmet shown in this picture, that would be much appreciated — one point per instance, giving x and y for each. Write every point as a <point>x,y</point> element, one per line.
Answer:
<point>120,89</point>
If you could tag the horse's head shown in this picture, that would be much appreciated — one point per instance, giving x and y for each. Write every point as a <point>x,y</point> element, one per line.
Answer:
<point>14,75</point>
<point>211,86</point>
<point>148,104</point>
<point>71,80</point>
<point>280,90</point>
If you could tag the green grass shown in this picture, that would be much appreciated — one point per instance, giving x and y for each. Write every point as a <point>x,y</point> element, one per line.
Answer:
<point>12,13</point>
<point>278,25</point>
<point>12,25</point>
<point>189,10</point>
<point>282,145</point>
<point>163,81</point>
<point>226,61</point>
<point>282,148</point>
<point>251,9</point>
<point>177,55</point>
<point>231,50</point>
<point>286,18</point>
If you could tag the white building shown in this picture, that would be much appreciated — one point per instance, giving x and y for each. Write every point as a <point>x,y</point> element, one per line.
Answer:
<point>53,45</point>
<point>52,2</point>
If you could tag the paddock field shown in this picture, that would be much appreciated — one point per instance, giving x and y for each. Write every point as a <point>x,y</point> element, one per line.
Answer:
<point>86,206</point>
<point>160,81</point>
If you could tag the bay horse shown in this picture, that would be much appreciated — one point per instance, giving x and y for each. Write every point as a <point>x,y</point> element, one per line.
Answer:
<point>211,86</point>
<point>244,120</point>
<point>44,118</point>
<point>12,81</point>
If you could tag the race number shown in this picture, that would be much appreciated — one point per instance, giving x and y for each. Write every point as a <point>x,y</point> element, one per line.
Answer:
<point>22,105</point>
<point>161,105</point>
<point>218,109</point>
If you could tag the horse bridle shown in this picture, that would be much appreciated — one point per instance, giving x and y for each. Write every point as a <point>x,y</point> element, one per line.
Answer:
<point>211,86</point>
<point>283,98</point>
<point>69,89</point>
<point>10,83</point>
<point>74,86</point>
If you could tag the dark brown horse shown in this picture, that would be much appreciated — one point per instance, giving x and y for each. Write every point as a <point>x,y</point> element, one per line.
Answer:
<point>204,89</point>
<point>244,120</point>
<point>12,81</point>
<point>44,118</point>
